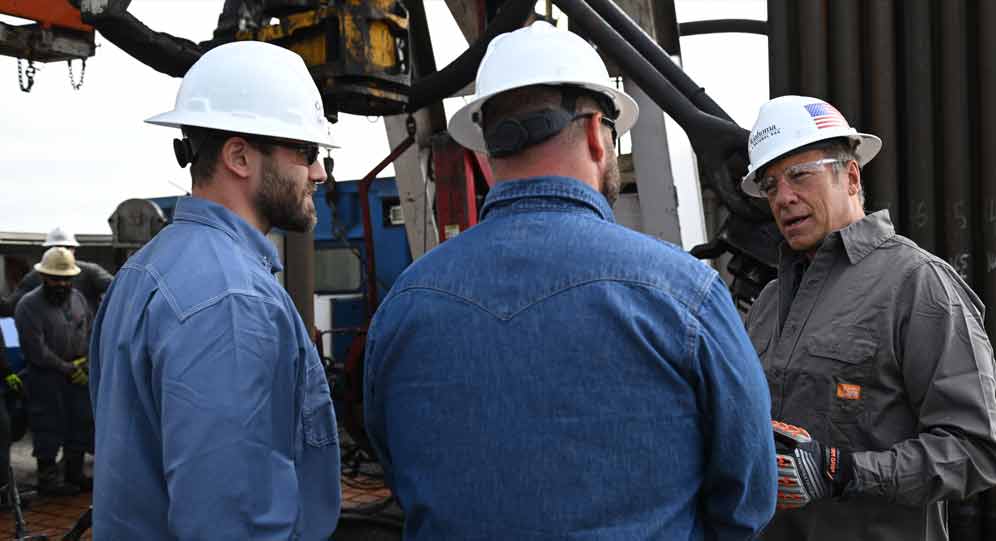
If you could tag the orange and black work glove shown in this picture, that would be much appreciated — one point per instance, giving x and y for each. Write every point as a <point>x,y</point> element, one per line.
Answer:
<point>807,470</point>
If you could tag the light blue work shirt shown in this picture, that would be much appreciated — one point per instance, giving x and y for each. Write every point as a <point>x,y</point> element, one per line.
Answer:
<point>549,374</point>
<point>213,415</point>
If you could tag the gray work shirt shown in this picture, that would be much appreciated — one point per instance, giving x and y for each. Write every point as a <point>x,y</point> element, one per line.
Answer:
<point>92,282</point>
<point>878,347</point>
<point>53,336</point>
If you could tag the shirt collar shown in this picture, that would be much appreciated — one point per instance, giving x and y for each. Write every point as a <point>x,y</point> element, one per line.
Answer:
<point>211,214</point>
<point>866,234</point>
<point>571,191</point>
<point>859,239</point>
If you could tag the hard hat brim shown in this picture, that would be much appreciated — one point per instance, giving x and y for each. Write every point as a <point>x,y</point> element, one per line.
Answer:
<point>49,244</point>
<point>868,146</point>
<point>248,126</point>
<point>468,133</point>
<point>62,274</point>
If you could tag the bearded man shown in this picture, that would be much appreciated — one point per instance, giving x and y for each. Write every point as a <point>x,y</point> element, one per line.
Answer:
<point>214,419</point>
<point>53,325</point>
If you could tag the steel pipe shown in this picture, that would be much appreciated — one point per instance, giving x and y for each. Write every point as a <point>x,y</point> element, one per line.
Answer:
<point>721,26</point>
<point>918,124</point>
<point>615,17</point>
<point>881,176</point>
<point>955,178</point>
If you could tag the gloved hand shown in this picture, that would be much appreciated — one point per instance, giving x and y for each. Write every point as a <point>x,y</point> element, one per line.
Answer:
<point>807,470</point>
<point>14,382</point>
<point>79,376</point>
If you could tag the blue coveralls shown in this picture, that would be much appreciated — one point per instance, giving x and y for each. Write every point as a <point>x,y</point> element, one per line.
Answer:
<point>213,413</point>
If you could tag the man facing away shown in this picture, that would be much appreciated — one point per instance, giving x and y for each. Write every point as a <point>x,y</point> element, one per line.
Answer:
<point>874,349</point>
<point>214,419</point>
<point>549,374</point>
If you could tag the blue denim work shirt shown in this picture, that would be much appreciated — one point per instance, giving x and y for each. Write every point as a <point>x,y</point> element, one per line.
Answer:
<point>213,415</point>
<point>549,374</point>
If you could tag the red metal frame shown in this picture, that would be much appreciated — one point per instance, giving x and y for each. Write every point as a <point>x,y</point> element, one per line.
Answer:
<point>456,170</point>
<point>48,13</point>
<point>368,223</point>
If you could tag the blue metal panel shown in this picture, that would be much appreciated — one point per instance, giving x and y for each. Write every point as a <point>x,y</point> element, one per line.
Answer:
<point>390,241</point>
<point>342,226</point>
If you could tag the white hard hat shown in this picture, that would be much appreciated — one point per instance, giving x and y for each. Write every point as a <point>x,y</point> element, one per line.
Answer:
<point>538,54</point>
<point>790,122</point>
<point>253,88</point>
<point>58,261</point>
<point>60,237</point>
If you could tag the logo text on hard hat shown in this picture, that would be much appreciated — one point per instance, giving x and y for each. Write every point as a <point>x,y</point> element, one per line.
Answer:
<point>760,135</point>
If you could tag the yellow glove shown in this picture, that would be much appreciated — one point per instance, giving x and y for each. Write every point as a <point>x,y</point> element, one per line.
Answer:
<point>14,382</point>
<point>80,376</point>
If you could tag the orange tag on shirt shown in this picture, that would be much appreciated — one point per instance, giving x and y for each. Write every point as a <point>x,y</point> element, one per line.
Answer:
<point>848,391</point>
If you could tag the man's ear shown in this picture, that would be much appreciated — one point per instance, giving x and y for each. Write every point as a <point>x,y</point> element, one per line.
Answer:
<point>595,139</point>
<point>234,157</point>
<point>853,178</point>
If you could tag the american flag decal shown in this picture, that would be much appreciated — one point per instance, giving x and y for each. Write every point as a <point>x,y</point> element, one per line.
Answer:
<point>826,116</point>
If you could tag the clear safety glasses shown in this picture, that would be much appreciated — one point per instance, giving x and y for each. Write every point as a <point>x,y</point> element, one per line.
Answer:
<point>797,176</point>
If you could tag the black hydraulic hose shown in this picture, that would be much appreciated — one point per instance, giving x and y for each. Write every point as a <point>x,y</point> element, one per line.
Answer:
<point>461,72</point>
<point>714,139</point>
<point>700,126</point>
<point>630,31</point>
<point>720,26</point>
<point>160,51</point>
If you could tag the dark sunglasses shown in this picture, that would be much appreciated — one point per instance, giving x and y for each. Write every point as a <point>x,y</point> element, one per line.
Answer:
<point>308,151</point>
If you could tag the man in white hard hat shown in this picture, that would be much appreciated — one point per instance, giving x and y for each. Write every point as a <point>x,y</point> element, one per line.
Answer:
<point>549,374</point>
<point>214,419</point>
<point>92,281</point>
<point>880,371</point>
<point>53,326</point>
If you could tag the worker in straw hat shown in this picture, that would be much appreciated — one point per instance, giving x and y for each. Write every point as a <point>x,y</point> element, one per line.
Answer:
<point>92,281</point>
<point>53,325</point>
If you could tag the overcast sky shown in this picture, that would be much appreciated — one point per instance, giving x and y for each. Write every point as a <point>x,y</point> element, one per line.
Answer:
<point>69,157</point>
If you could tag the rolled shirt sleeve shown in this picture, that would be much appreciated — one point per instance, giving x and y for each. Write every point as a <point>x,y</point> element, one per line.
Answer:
<point>740,485</point>
<point>947,367</point>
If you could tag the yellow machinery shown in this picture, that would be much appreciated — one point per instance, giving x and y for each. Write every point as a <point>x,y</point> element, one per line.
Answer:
<point>357,50</point>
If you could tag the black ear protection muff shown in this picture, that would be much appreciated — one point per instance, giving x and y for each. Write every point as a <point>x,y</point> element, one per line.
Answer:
<point>512,135</point>
<point>184,151</point>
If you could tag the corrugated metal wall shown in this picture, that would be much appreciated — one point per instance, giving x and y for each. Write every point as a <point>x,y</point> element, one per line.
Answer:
<point>922,75</point>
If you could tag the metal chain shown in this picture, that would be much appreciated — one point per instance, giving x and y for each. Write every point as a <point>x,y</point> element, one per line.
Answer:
<point>72,80</point>
<point>28,73</point>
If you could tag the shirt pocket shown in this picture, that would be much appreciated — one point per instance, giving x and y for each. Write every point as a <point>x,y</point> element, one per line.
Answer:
<point>319,416</point>
<point>847,365</point>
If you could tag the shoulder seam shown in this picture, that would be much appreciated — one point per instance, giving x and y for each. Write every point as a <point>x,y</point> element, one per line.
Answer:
<point>512,315</point>
<point>183,315</point>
